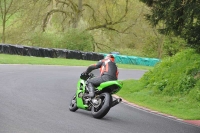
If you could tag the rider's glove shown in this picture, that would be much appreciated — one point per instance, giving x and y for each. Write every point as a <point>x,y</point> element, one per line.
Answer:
<point>84,73</point>
<point>84,76</point>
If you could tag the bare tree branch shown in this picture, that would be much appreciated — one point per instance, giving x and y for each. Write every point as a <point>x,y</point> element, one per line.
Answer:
<point>14,12</point>
<point>107,11</point>
<point>97,43</point>
<point>93,11</point>
<point>7,9</point>
<point>74,6</point>
<point>98,46</point>
<point>50,13</point>
<point>1,11</point>
<point>111,23</point>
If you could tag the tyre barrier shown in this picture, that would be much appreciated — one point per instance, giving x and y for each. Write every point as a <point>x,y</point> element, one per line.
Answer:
<point>48,52</point>
<point>124,59</point>
<point>73,54</point>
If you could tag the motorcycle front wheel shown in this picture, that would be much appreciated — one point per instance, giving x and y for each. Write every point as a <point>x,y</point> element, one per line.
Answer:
<point>104,106</point>
<point>72,106</point>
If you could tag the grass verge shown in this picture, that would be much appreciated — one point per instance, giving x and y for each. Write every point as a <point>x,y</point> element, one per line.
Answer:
<point>178,106</point>
<point>16,59</point>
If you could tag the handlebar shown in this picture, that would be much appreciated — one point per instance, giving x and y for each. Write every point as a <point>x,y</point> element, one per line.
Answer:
<point>87,76</point>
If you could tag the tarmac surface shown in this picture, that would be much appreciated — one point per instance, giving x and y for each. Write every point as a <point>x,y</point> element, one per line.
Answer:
<point>35,99</point>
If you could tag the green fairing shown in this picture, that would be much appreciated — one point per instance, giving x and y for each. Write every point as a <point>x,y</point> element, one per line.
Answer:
<point>80,89</point>
<point>109,83</point>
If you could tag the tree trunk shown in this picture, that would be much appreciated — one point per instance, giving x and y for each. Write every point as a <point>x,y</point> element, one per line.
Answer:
<point>78,14</point>
<point>4,30</point>
<point>52,6</point>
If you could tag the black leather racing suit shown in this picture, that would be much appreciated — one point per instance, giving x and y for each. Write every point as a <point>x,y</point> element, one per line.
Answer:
<point>108,72</point>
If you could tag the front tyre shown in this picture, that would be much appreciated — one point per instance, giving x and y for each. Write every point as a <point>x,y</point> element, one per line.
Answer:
<point>104,106</point>
<point>72,106</point>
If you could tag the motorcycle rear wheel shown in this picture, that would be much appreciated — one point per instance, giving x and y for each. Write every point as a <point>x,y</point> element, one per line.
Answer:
<point>104,107</point>
<point>72,106</point>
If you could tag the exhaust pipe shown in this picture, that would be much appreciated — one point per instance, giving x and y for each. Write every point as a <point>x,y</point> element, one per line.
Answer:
<point>116,101</point>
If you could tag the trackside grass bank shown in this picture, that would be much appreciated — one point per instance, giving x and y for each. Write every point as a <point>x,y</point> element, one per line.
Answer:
<point>172,87</point>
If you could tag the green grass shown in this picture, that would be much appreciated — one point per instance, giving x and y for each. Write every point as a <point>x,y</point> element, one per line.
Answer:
<point>16,59</point>
<point>172,87</point>
<point>178,106</point>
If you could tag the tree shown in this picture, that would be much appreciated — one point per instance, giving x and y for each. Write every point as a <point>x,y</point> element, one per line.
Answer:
<point>6,12</point>
<point>74,10</point>
<point>103,16</point>
<point>70,10</point>
<point>114,24</point>
<point>11,14</point>
<point>180,17</point>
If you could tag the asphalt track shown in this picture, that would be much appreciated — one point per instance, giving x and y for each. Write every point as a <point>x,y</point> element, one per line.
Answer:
<point>35,99</point>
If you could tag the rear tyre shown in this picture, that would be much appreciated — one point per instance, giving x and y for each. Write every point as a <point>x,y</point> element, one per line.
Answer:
<point>72,106</point>
<point>103,108</point>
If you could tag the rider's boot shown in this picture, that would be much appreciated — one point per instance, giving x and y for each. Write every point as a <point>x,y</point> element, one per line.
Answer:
<point>91,91</point>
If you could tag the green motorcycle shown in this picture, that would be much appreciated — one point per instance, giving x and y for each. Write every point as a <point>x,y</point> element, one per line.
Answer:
<point>103,100</point>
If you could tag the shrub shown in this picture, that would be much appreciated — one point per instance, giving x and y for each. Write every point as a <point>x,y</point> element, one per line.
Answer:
<point>72,40</point>
<point>195,93</point>
<point>178,75</point>
<point>46,40</point>
<point>166,46</point>
<point>77,40</point>
<point>173,45</point>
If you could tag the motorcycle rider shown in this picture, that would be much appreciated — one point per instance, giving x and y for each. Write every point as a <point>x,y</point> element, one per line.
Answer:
<point>108,72</point>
